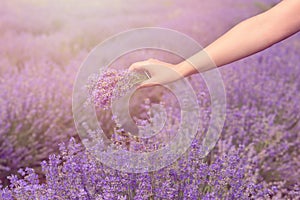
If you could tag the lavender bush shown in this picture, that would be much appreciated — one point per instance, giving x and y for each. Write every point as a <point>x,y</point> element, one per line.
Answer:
<point>42,46</point>
<point>75,174</point>
<point>33,119</point>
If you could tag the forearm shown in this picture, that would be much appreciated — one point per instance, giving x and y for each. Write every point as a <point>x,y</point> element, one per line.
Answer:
<point>246,38</point>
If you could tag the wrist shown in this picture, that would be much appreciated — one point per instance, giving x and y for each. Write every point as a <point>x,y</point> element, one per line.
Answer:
<point>185,69</point>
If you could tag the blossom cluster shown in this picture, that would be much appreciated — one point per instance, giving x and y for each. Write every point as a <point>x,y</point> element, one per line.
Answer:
<point>104,87</point>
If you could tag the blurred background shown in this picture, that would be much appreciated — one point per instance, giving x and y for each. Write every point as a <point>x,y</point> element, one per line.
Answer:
<point>44,42</point>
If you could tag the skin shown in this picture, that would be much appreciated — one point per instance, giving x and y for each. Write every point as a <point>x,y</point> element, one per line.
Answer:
<point>246,38</point>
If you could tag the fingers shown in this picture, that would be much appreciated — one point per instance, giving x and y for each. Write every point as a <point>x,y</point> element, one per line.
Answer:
<point>157,70</point>
<point>142,64</point>
<point>148,83</point>
<point>136,66</point>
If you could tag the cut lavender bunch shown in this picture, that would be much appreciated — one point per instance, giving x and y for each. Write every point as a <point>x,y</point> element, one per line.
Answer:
<point>105,87</point>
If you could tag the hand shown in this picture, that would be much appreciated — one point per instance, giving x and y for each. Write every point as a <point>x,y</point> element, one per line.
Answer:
<point>160,72</point>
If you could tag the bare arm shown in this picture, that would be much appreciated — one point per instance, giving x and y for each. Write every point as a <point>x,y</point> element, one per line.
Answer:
<point>250,36</point>
<point>246,38</point>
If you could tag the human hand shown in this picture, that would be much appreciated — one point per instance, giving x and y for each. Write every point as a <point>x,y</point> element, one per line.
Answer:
<point>160,72</point>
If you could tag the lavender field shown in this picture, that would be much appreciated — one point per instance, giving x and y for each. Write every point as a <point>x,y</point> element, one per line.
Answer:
<point>44,42</point>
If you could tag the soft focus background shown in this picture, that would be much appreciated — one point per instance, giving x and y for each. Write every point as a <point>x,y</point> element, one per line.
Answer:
<point>43,43</point>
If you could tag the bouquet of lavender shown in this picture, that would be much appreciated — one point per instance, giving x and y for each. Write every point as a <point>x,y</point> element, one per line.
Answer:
<point>103,88</point>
